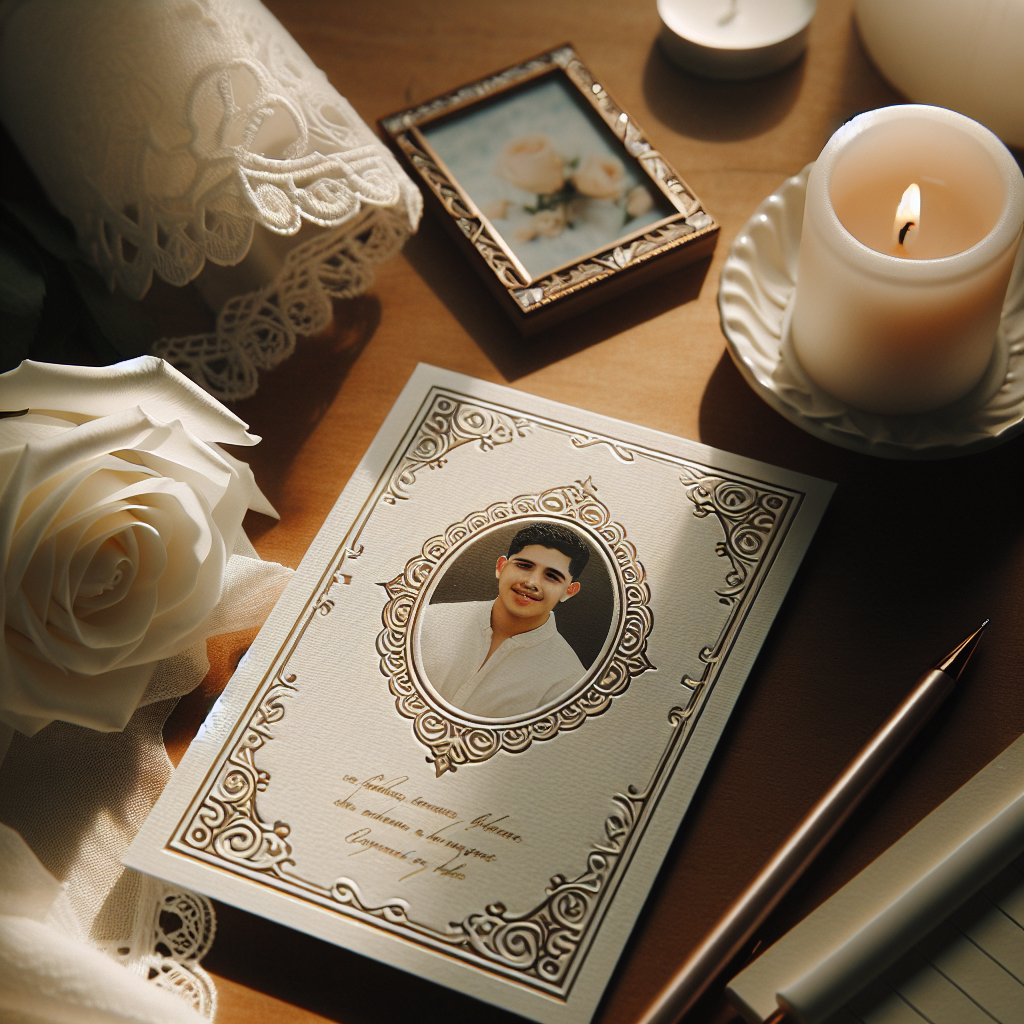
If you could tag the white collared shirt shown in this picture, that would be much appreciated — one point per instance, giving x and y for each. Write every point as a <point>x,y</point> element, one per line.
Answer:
<point>525,672</point>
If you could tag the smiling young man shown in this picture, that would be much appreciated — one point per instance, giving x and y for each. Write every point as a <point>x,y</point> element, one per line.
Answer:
<point>506,657</point>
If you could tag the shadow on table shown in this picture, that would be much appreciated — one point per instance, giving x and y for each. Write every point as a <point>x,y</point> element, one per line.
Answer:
<point>330,981</point>
<point>294,396</point>
<point>439,262</point>
<point>918,543</point>
<point>863,87</point>
<point>718,111</point>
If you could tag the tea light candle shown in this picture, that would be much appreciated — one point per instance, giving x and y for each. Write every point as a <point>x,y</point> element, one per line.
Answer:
<point>897,325</point>
<point>734,38</point>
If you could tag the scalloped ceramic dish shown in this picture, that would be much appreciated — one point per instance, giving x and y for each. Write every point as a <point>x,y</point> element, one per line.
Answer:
<point>755,298</point>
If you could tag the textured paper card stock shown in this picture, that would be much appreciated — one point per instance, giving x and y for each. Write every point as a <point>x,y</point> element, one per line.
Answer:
<point>341,787</point>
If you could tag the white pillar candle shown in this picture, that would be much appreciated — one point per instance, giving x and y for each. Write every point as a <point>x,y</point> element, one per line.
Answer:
<point>734,38</point>
<point>904,328</point>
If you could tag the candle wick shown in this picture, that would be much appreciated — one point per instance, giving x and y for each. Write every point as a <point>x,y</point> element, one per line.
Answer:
<point>903,230</point>
<point>729,15</point>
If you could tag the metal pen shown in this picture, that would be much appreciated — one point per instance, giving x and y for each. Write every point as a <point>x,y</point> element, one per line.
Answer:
<point>820,824</point>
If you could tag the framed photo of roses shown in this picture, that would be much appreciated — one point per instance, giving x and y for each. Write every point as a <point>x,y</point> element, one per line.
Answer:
<point>551,188</point>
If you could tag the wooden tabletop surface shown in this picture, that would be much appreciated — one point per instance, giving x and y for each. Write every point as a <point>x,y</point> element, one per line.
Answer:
<point>910,557</point>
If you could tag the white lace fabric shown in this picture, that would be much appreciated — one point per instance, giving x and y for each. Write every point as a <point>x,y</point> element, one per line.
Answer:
<point>258,329</point>
<point>172,133</point>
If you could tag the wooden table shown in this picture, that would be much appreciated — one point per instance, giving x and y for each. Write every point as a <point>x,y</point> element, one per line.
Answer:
<point>910,558</point>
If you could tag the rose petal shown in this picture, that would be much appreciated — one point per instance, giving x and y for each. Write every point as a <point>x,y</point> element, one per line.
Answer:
<point>153,384</point>
<point>187,547</point>
<point>182,457</point>
<point>107,638</point>
<point>35,692</point>
<point>87,483</point>
<point>258,501</point>
<point>106,580</point>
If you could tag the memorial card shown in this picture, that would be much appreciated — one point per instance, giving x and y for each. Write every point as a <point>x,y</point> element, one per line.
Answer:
<point>467,734</point>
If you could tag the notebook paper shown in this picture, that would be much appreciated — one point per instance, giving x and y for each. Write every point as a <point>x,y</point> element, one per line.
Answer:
<point>970,968</point>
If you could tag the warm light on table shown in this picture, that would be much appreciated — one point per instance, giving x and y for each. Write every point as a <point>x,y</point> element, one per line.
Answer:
<point>893,326</point>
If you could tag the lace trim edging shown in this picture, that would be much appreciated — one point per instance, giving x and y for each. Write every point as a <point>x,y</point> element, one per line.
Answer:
<point>175,933</point>
<point>258,330</point>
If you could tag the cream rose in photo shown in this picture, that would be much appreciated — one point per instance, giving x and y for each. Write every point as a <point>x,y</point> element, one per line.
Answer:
<point>532,163</point>
<point>496,209</point>
<point>118,514</point>
<point>545,224</point>
<point>639,201</point>
<point>600,177</point>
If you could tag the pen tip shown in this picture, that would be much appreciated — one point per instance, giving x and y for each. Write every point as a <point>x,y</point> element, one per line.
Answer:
<point>954,662</point>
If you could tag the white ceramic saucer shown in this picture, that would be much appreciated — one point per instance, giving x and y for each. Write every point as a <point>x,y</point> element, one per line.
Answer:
<point>755,298</point>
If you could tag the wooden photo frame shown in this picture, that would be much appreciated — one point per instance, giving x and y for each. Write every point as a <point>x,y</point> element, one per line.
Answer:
<point>551,188</point>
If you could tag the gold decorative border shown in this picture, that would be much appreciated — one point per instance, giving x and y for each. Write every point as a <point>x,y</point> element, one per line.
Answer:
<point>543,946</point>
<point>448,425</point>
<point>455,740</point>
<point>682,228</point>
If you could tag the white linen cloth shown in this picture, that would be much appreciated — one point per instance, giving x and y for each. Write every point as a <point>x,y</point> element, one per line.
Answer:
<point>187,137</point>
<point>524,673</point>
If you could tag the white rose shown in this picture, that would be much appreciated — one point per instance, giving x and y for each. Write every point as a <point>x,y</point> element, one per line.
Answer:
<point>600,177</point>
<point>545,224</point>
<point>532,164</point>
<point>639,201</point>
<point>549,223</point>
<point>118,513</point>
<point>496,209</point>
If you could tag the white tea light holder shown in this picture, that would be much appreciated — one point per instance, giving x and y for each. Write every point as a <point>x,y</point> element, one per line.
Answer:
<point>734,39</point>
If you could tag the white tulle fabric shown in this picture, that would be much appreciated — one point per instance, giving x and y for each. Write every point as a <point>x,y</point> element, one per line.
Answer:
<point>81,937</point>
<point>48,974</point>
<point>174,133</point>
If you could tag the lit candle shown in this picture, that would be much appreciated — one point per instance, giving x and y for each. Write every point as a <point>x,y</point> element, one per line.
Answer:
<point>892,325</point>
<point>734,38</point>
<point>908,219</point>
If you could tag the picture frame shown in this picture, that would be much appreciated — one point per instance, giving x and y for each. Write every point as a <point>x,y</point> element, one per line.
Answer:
<point>549,186</point>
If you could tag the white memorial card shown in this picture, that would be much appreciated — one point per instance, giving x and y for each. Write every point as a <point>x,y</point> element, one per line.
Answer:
<point>467,734</point>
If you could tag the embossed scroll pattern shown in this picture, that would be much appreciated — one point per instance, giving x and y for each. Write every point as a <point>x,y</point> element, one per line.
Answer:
<point>749,517</point>
<point>449,424</point>
<point>452,742</point>
<point>227,823</point>
<point>531,295</point>
<point>544,942</point>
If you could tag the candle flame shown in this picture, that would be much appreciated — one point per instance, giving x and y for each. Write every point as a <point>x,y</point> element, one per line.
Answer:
<point>908,219</point>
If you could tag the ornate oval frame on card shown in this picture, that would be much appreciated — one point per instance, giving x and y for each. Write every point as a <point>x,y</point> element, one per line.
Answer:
<point>455,738</point>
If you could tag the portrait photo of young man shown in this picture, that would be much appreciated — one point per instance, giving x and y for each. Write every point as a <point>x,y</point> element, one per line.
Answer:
<point>505,656</point>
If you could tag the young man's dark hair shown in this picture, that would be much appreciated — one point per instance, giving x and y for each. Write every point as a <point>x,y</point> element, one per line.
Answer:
<point>560,538</point>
